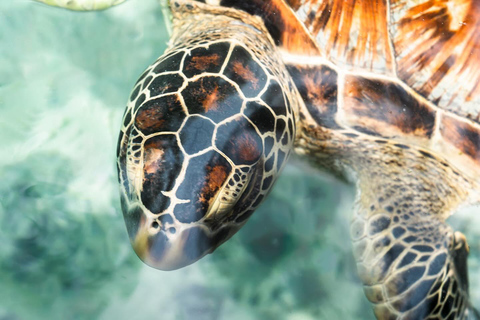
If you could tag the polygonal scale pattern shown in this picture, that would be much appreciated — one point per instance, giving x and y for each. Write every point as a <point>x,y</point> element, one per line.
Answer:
<point>205,133</point>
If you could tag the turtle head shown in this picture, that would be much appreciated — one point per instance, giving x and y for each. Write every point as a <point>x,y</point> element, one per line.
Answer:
<point>203,140</point>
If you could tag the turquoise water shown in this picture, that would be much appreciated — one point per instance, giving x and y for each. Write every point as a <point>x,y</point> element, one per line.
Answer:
<point>65,254</point>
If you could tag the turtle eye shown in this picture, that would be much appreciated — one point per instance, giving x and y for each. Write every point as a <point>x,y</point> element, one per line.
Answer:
<point>205,134</point>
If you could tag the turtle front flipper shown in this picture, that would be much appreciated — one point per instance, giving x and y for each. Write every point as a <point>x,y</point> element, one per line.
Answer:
<point>412,264</point>
<point>82,5</point>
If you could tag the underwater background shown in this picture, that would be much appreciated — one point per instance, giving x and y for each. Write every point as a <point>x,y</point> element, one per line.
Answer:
<point>64,252</point>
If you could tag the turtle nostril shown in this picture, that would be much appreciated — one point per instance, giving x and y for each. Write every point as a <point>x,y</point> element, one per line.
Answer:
<point>155,225</point>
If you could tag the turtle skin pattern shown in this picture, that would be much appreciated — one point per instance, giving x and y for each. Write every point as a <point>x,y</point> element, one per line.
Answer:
<point>206,132</point>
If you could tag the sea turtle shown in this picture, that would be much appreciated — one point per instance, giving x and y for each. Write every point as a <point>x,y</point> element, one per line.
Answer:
<point>385,94</point>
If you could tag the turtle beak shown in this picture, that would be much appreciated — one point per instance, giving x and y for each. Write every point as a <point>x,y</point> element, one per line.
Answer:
<point>163,251</point>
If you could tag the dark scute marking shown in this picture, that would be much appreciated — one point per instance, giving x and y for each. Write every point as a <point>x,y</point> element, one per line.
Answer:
<point>122,160</point>
<point>120,147</point>
<point>401,146</point>
<point>187,213</point>
<point>258,201</point>
<point>391,255</point>
<point>135,93</point>
<point>280,129</point>
<point>350,135</point>
<point>204,176</point>
<point>412,229</point>
<point>460,262</point>
<point>407,278</point>
<point>196,244</point>
<point>162,162</point>
<point>139,102</point>
<point>146,82</point>
<point>447,307</point>
<point>269,142</point>
<point>388,103</point>
<point>269,163</point>
<point>213,97</point>
<point>428,155</point>
<point>417,295</point>
<point>381,243</point>
<point>203,59</point>
<point>422,248</point>
<point>462,135</point>
<point>159,115</point>
<point>368,131</point>
<point>128,117</point>
<point>285,139</point>
<point>410,239</point>
<point>389,208</point>
<point>267,182</point>
<point>172,63</point>
<point>144,74</point>
<point>437,264</point>
<point>132,219</point>
<point>239,140</point>
<point>247,73</point>
<point>445,288</point>
<point>436,287</point>
<point>379,224</point>
<point>261,116</point>
<point>407,259</point>
<point>424,258</point>
<point>165,219</point>
<point>221,236</point>
<point>318,88</point>
<point>454,286</point>
<point>165,83</point>
<point>273,97</point>
<point>290,127</point>
<point>398,232</point>
<point>280,159</point>
<point>196,134</point>
<point>157,245</point>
